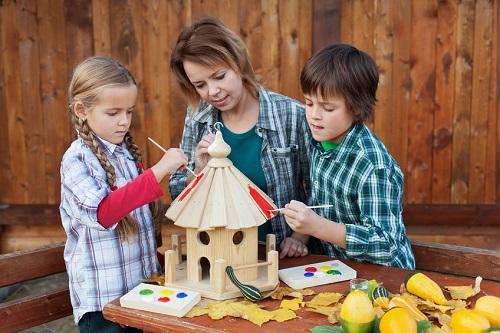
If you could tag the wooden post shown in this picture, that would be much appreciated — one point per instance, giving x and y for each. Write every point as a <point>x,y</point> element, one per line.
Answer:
<point>270,244</point>
<point>177,247</point>
<point>272,269</point>
<point>220,275</point>
<point>170,259</point>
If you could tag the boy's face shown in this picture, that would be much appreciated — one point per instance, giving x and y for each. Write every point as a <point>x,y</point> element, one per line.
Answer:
<point>329,119</point>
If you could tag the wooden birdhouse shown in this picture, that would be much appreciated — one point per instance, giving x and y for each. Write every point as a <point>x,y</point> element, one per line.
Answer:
<point>221,210</point>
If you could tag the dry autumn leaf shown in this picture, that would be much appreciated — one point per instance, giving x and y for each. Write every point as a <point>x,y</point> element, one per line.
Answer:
<point>292,304</point>
<point>325,299</point>
<point>464,292</point>
<point>281,315</point>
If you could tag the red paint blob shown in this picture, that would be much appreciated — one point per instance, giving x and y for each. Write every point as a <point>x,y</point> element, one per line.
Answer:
<point>311,269</point>
<point>164,299</point>
<point>190,187</point>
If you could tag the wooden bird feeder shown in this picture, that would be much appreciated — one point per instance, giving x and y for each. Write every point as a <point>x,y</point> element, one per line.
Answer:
<point>221,210</point>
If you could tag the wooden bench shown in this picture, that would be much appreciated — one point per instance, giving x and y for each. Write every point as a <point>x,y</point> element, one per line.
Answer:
<point>33,310</point>
<point>38,309</point>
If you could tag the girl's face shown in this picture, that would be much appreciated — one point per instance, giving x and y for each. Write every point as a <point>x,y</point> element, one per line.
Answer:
<point>111,116</point>
<point>218,85</point>
<point>328,119</point>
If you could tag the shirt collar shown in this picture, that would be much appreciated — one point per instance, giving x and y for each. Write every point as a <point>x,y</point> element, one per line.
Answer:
<point>109,147</point>
<point>347,145</point>
<point>208,114</point>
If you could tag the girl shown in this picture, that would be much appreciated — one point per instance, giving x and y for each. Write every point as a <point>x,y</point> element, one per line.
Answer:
<point>111,243</point>
<point>267,132</point>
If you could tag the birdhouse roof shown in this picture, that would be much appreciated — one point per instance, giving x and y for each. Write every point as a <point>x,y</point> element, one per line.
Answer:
<point>221,196</point>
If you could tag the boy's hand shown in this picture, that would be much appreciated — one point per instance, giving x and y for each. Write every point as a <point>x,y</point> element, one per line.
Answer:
<point>201,156</point>
<point>171,161</point>
<point>291,247</point>
<point>300,218</point>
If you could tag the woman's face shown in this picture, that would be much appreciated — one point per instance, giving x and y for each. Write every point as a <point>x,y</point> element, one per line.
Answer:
<point>218,85</point>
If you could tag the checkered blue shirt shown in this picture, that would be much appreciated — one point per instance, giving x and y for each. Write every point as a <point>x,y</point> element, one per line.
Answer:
<point>365,186</point>
<point>100,267</point>
<point>285,150</point>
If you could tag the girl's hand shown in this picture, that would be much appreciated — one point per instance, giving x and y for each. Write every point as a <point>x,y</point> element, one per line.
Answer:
<point>201,156</point>
<point>301,219</point>
<point>171,161</point>
<point>291,247</point>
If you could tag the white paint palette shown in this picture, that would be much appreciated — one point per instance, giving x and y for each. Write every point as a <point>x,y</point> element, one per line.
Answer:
<point>166,300</point>
<point>316,274</point>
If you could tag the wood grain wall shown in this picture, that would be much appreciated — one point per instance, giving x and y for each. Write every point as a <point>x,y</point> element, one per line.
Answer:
<point>438,98</point>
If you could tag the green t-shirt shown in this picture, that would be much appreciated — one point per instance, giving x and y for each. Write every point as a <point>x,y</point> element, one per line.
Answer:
<point>245,155</point>
<point>328,145</point>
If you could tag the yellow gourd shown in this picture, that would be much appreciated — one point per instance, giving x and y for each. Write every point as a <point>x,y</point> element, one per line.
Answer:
<point>357,314</point>
<point>397,320</point>
<point>468,321</point>
<point>402,302</point>
<point>489,306</point>
<point>422,286</point>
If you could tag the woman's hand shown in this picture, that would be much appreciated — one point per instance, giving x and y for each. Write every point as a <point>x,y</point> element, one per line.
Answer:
<point>201,156</point>
<point>292,247</point>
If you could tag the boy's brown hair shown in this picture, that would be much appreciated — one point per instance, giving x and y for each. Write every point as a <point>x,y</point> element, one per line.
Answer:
<point>209,42</point>
<point>341,70</point>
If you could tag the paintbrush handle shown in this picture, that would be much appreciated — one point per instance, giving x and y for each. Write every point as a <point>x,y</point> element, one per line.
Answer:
<point>165,151</point>
<point>312,207</point>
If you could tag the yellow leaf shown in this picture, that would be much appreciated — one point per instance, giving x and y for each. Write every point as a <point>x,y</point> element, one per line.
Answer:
<point>196,311</point>
<point>292,304</point>
<point>281,292</point>
<point>458,304</point>
<point>326,299</point>
<point>281,315</point>
<point>258,316</point>
<point>464,292</point>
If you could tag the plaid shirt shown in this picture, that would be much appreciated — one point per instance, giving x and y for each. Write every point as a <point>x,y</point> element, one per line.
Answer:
<point>365,186</point>
<point>285,150</point>
<point>100,266</point>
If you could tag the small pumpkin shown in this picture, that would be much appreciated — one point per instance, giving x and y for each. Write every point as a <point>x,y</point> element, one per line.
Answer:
<point>489,306</point>
<point>357,314</point>
<point>251,293</point>
<point>380,297</point>
<point>422,286</point>
<point>468,321</point>
<point>397,320</point>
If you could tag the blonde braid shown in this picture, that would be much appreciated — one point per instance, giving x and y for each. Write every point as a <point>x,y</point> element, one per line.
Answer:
<point>156,207</point>
<point>127,226</point>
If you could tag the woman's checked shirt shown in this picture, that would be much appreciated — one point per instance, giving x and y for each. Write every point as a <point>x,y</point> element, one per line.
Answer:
<point>100,266</point>
<point>365,186</point>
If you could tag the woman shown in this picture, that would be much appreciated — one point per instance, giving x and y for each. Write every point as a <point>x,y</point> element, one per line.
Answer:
<point>267,132</point>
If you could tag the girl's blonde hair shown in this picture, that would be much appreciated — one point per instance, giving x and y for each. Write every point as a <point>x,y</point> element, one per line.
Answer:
<point>89,79</point>
<point>209,42</point>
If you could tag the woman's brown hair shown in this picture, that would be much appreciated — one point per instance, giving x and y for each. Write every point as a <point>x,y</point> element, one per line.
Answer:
<point>90,77</point>
<point>209,42</point>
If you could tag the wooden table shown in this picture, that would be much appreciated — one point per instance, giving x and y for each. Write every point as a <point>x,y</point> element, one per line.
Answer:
<point>390,276</point>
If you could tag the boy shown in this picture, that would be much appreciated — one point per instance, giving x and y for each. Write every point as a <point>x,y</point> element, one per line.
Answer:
<point>351,169</point>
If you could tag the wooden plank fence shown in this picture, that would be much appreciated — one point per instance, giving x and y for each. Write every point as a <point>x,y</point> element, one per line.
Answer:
<point>438,98</point>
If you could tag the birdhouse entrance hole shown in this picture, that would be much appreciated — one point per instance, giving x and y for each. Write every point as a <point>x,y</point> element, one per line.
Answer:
<point>204,237</point>
<point>205,268</point>
<point>238,237</point>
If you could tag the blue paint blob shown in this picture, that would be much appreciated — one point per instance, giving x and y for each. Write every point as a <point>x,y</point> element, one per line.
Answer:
<point>181,295</point>
<point>308,274</point>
